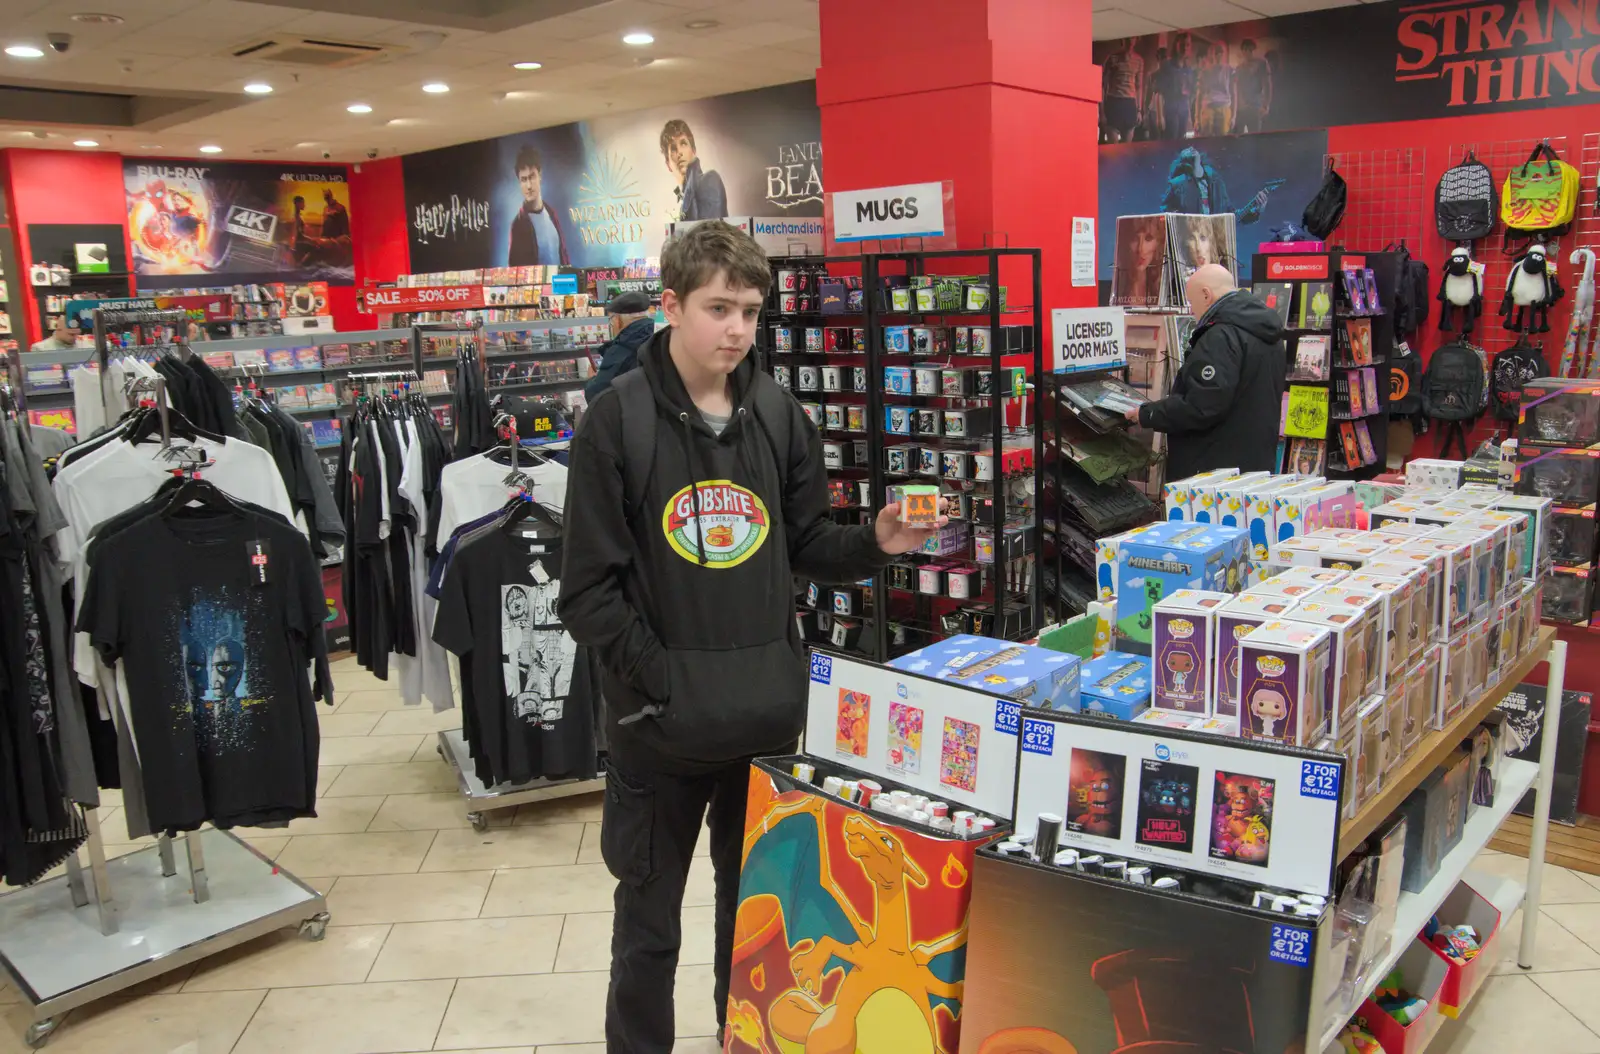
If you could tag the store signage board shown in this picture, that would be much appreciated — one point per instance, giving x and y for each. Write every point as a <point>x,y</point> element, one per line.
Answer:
<point>951,743</point>
<point>911,210</point>
<point>201,308</point>
<point>425,298</point>
<point>1089,338</point>
<point>564,284</point>
<point>1082,252</point>
<point>1305,268</point>
<point>1204,803</point>
<point>788,235</point>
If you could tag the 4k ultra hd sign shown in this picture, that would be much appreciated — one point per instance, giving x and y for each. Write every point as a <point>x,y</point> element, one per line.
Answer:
<point>1089,338</point>
<point>914,210</point>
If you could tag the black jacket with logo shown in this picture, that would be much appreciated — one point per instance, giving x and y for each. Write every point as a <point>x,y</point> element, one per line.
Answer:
<point>702,628</point>
<point>1226,402</point>
<point>618,355</point>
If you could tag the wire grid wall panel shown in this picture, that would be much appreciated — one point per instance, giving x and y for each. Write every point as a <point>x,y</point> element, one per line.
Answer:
<point>1386,198</point>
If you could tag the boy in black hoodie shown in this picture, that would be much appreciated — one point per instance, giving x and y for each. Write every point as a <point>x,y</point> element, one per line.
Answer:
<point>689,605</point>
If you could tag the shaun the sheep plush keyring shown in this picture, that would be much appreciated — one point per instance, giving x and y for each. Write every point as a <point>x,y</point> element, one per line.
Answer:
<point>1460,291</point>
<point>1530,291</point>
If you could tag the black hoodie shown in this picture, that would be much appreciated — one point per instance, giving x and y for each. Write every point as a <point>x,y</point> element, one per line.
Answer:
<point>1226,402</point>
<point>702,629</point>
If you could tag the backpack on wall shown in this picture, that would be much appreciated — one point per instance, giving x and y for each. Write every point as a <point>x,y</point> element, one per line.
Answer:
<point>1512,368</point>
<point>1539,197</point>
<point>1326,208</point>
<point>1405,381</point>
<point>1464,202</point>
<point>1412,301</point>
<point>1453,384</point>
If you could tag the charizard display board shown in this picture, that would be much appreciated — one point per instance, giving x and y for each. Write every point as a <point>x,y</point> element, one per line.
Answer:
<point>851,926</point>
<point>1238,809</point>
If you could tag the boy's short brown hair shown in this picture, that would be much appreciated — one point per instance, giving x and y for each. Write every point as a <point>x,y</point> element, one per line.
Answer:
<point>692,259</point>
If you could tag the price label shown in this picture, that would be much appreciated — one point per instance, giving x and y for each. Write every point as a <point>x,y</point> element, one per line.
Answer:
<point>1007,716</point>
<point>822,668</point>
<point>1319,779</point>
<point>1290,944</point>
<point>1038,737</point>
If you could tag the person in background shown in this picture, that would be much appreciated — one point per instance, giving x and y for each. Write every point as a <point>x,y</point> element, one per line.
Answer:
<point>701,195</point>
<point>632,324</point>
<point>64,335</point>
<point>685,591</point>
<point>1252,90</point>
<point>1216,92</point>
<point>1122,77</point>
<point>535,234</point>
<point>1228,396</point>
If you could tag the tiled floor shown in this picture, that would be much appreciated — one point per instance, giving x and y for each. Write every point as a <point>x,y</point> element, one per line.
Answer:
<point>445,939</point>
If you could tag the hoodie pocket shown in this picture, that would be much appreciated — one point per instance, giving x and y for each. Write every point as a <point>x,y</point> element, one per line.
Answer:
<point>730,704</point>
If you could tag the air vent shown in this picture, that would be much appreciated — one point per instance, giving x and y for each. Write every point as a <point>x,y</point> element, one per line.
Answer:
<point>307,51</point>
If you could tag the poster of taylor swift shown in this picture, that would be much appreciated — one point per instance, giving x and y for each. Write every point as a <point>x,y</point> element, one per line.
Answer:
<point>1260,181</point>
<point>1141,261</point>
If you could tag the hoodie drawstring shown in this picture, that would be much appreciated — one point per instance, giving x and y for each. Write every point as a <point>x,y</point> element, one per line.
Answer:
<point>694,483</point>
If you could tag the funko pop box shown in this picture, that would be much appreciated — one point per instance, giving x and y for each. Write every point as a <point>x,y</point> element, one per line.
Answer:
<point>1173,556</point>
<point>1183,650</point>
<point>1178,495</point>
<point>1427,567</point>
<point>1116,684</point>
<point>1403,615</point>
<point>1537,550</point>
<point>1105,562</point>
<point>1025,672</point>
<point>1354,618</point>
<point>1238,617</point>
<point>1457,579</point>
<point>1283,683</point>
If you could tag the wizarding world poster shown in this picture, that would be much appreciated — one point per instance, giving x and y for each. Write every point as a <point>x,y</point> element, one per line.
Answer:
<point>197,223</point>
<point>603,192</point>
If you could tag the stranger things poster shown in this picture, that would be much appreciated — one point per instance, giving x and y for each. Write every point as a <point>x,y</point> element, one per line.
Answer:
<point>202,223</point>
<point>1362,64</point>
<point>603,192</point>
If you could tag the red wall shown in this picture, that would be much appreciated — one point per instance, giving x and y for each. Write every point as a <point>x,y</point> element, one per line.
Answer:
<point>55,186</point>
<point>378,223</point>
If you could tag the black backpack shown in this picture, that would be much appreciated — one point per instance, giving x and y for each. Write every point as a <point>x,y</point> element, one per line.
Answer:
<point>1326,209</point>
<point>774,413</point>
<point>1514,367</point>
<point>1412,296</point>
<point>1465,203</point>
<point>1405,381</point>
<point>1453,386</point>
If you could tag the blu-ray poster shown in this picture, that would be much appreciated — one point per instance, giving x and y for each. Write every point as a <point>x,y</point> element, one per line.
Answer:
<point>200,223</point>
<point>1167,793</point>
<point>1263,180</point>
<point>603,192</point>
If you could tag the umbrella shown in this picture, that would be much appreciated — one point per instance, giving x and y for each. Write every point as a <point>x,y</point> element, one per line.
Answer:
<point>1582,316</point>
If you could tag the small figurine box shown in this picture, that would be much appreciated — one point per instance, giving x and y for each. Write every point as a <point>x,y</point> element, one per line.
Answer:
<point>1418,690</point>
<point>1105,562</point>
<point>1372,735</point>
<point>1183,649</point>
<point>919,506</point>
<point>1560,413</point>
<point>1293,507</point>
<point>1455,676</point>
<point>1511,531</point>
<point>1456,588</point>
<point>1430,565</point>
<point>1261,520</point>
<point>1025,672</point>
<point>1233,496</point>
<point>1298,583</point>
<point>1433,472</point>
<point>1354,619</point>
<point>1206,503</point>
<point>1334,553</point>
<point>1179,494</point>
<point>1235,619</point>
<point>1283,683</point>
<point>1116,684</point>
<point>1536,544</point>
<point>1403,530</point>
<point>1332,504</point>
<point>1402,635</point>
<point>1485,587</point>
<point>1169,557</point>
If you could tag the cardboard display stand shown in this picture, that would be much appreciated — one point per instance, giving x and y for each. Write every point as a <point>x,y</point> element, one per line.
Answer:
<point>1248,811</point>
<point>949,742</point>
<point>851,926</point>
<point>1059,962</point>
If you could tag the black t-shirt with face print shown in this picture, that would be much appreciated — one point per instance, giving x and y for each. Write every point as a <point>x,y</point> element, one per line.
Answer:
<point>216,662</point>
<point>531,688</point>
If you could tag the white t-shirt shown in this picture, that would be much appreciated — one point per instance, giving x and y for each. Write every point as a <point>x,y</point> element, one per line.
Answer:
<point>476,487</point>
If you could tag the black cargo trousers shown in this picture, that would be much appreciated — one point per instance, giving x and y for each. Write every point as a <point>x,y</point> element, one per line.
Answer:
<point>649,827</point>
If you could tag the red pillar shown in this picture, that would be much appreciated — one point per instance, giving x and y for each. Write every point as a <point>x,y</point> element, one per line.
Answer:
<point>999,96</point>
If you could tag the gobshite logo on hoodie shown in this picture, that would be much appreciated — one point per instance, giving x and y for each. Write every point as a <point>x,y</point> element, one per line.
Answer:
<point>730,526</point>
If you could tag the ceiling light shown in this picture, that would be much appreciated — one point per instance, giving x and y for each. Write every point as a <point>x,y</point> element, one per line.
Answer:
<point>638,40</point>
<point>399,120</point>
<point>97,18</point>
<point>258,88</point>
<point>24,51</point>
<point>358,107</point>
<point>85,142</point>
<point>527,65</point>
<point>436,87</point>
<point>702,23</point>
<point>149,146</point>
<point>208,149</point>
